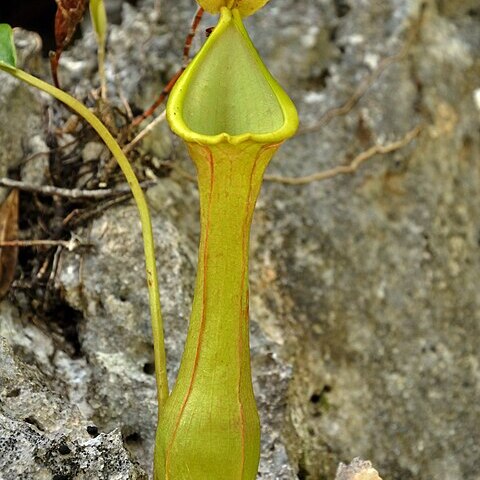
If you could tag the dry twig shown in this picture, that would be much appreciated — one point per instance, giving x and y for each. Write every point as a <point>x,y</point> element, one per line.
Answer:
<point>353,166</point>
<point>72,193</point>
<point>70,245</point>
<point>78,216</point>
<point>148,129</point>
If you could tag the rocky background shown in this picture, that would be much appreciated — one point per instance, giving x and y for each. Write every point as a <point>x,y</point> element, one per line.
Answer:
<point>365,299</point>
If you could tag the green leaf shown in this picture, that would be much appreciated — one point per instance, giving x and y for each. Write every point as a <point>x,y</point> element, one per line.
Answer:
<point>8,55</point>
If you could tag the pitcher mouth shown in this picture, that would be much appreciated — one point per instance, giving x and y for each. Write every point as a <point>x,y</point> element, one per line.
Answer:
<point>227,94</point>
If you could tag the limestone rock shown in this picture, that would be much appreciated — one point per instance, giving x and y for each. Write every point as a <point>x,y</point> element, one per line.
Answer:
<point>357,470</point>
<point>42,436</point>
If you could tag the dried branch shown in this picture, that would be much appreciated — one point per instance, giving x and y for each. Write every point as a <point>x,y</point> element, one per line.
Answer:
<point>72,193</point>
<point>70,245</point>
<point>148,129</point>
<point>78,216</point>
<point>353,166</point>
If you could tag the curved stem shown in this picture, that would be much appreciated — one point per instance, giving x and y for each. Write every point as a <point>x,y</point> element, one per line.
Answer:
<point>152,278</point>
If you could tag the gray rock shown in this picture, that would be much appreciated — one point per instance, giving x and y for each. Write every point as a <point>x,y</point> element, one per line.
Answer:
<point>358,469</point>
<point>108,286</point>
<point>377,272</point>
<point>44,437</point>
<point>364,300</point>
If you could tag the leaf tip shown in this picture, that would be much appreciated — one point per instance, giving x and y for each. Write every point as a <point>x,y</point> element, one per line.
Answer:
<point>8,54</point>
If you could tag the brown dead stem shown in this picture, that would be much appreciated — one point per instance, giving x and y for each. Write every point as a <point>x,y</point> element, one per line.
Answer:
<point>353,166</point>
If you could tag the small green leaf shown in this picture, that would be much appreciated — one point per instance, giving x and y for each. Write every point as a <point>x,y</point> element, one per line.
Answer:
<point>8,55</point>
